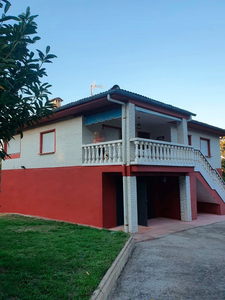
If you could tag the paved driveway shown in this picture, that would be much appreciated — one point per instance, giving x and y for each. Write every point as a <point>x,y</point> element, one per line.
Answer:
<point>185,265</point>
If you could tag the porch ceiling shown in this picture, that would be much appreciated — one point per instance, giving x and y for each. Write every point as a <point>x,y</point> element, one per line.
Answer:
<point>151,119</point>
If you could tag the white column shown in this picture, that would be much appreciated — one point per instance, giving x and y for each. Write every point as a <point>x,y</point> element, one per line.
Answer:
<point>185,198</point>
<point>132,203</point>
<point>130,128</point>
<point>182,132</point>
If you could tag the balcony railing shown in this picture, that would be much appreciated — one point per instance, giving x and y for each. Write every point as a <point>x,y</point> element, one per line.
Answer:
<point>152,152</point>
<point>106,153</point>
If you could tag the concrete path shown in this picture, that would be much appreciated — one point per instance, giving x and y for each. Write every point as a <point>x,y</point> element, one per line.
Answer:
<point>162,226</point>
<point>185,265</point>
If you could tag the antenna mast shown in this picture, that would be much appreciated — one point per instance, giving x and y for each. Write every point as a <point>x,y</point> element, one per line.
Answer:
<point>95,86</point>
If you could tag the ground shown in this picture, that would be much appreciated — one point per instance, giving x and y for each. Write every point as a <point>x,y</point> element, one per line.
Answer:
<point>185,265</point>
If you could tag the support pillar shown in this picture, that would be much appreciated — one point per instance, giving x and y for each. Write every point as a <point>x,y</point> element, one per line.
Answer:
<point>131,196</point>
<point>193,196</point>
<point>182,132</point>
<point>185,198</point>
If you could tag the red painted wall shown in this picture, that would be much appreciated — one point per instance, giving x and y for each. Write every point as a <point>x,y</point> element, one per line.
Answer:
<point>211,208</point>
<point>214,209</point>
<point>72,193</point>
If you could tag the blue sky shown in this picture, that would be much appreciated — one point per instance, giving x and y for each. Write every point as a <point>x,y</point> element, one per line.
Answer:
<point>169,50</point>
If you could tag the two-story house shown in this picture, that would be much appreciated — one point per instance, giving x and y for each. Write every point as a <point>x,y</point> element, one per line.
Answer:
<point>115,158</point>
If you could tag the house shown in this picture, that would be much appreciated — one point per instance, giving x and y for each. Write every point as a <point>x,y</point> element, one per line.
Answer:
<point>115,158</point>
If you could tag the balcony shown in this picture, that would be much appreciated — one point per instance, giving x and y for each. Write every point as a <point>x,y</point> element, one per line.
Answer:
<point>153,152</point>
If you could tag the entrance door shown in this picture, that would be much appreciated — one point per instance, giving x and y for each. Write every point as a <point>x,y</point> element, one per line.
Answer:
<point>142,201</point>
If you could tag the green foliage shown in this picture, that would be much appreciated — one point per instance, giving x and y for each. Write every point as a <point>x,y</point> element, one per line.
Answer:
<point>222,148</point>
<point>23,95</point>
<point>222,151</point>
<point>223,169</point>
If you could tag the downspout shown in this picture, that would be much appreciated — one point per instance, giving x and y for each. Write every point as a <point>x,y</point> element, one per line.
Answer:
<point>126,227</point>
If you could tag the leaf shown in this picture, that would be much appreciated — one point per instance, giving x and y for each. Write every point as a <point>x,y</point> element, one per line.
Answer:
<point>50,56</point>
<point>36,38</point>
<point>47,49</point>
<point>7,6</point>
<point>27,12</point>
<point>41,54</point>
<point>9,18</point>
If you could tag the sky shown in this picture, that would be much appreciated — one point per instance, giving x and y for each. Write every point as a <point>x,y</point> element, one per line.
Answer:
<point>169,50</point>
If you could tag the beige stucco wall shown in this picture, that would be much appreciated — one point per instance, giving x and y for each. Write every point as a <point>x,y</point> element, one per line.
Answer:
<point>68,147</point>
<point>214,160</point>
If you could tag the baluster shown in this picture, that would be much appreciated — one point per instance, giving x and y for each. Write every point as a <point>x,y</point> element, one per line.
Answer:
<point>172,154</point>
<point>157,152</point>
<point>101,154</point>
<point>146,151</point>
<point>153,152</point>
<point>136,151</point>
<point>166,153</point>
<point>110,154</point>
<point>119,153</point>
<point>192,156</point>
<point>184,150</point>
<point>97,150</point>
<point>89,154</point>
<point>187,155</point>
<point>106,154</point>
<point>178,155</point>
<point>141,151</point>
<point>92,154</point>
<point>169,154</point>
<point>182,155</point>
<point>114,152</point>
<point>149,152</point>
<point>85,155</point>
<point>161,152</point>
<point>188,152</point>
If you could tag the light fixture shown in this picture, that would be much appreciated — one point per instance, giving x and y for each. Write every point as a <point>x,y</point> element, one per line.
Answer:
<point>138,124</point>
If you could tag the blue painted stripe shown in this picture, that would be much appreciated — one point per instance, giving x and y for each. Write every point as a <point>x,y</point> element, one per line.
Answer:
<point>104,116</point>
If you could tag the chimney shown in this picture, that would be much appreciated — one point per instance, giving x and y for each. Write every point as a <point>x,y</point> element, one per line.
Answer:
<point>57,101</point>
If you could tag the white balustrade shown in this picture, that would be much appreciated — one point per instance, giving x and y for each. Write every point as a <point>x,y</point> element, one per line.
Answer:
<point>103,153</point>
<point>152,152</point>
<point>160,153</point>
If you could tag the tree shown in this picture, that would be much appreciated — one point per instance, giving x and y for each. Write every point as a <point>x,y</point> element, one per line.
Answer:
<point>23,95</point>
<point>222,151</point>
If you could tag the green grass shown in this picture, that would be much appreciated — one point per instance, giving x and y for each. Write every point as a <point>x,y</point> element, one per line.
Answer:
<point>41,259</point>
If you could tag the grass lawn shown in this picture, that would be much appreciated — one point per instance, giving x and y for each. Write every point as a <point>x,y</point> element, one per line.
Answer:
<point>41,259</point>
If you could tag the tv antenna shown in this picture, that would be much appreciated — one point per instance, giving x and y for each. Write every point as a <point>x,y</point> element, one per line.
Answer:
<point>96,86</point>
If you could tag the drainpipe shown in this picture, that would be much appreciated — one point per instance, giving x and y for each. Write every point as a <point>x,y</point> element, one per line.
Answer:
<point>124,159</point>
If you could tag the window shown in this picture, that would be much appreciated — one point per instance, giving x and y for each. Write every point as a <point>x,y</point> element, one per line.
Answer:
<point>205,147</point>
<point>47,142</point>
<point>189,140</point>
<point>12,148</point>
